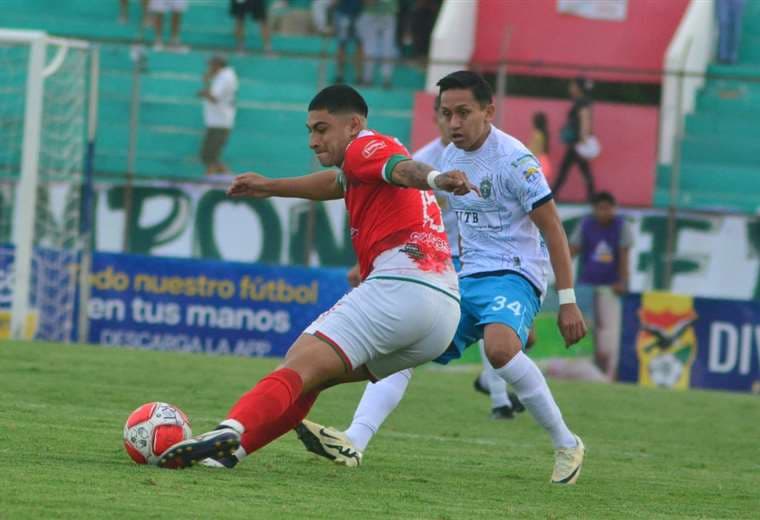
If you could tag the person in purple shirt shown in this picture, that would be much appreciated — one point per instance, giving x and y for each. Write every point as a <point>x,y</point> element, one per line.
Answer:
<point>603,240</point>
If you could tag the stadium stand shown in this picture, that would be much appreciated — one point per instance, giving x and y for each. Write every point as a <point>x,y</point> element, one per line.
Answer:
<point>274,90</point>
<point>720,167</point>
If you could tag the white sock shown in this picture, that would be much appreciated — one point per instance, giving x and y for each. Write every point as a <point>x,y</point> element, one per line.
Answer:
<point>377,403</point>
<point>489,378</point>
<point>240,453</point>
<point>529,384</point>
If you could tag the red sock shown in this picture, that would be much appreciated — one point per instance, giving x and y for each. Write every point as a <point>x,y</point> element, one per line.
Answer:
<point>263,404</point>
<point>253,440</point>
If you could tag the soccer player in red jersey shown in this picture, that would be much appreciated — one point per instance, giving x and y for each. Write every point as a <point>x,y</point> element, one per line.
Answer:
<point>404,313</point>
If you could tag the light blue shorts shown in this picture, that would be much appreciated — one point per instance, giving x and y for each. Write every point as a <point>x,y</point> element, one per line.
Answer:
<point>505,298</point>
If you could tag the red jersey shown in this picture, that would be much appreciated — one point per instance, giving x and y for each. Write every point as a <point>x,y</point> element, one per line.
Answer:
<point>383,215</point>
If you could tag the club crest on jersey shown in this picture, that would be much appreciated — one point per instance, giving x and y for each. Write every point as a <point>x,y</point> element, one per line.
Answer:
<point>371,147</point>
<point>486,188</point>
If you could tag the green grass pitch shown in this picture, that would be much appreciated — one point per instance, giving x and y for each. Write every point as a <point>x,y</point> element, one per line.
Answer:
<point>651,454</point>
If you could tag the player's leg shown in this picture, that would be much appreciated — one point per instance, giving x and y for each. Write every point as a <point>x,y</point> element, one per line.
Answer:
<point>503,347</point>
<point>501,405</point>
<point>285,395</point>
<point>377,403</point>
<point>324,355</point>
<point>508,305</point>
<point>429,336</point>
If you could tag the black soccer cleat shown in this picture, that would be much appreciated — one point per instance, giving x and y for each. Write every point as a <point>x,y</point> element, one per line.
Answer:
<point>216,444</point>
<point>517,405</point>
<point>479,386</point>
<point>502,412</point>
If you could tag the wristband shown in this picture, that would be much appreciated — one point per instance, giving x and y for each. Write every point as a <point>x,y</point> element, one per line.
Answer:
<point>431,179</point>
<point>566,296</point>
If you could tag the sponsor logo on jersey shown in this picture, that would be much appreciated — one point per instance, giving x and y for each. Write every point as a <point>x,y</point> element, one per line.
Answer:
<point>485,188</point>
<point>371,147</point>
<point>666,344</point>
<point>530,174</point>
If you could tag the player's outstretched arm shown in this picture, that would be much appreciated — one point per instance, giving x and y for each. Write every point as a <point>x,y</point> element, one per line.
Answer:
<point>414,174</point>
<point>323,185</point>
<point>570,319</point>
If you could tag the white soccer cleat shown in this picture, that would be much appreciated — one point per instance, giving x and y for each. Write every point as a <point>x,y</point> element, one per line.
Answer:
<point>328,443</point>
<point>567,463</point>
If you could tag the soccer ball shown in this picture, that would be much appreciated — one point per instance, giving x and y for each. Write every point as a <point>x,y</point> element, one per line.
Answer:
<point>152,429</point>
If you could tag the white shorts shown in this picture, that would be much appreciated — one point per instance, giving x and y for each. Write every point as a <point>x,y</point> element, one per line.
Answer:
<point>389,325</point>
<point>162,6</point>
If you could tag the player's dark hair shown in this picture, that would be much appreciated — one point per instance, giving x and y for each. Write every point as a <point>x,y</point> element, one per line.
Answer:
<point>339,99</point>
<point>603,196</point>
<point>468,80</point>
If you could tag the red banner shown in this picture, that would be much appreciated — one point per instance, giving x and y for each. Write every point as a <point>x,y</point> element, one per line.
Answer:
<point>537,32</point>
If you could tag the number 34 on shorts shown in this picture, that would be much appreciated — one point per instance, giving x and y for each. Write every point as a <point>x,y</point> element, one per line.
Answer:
<point>501,302</point>
<point>508,299</point>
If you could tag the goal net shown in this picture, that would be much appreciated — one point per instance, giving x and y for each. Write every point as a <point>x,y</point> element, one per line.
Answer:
<point>48,95</point>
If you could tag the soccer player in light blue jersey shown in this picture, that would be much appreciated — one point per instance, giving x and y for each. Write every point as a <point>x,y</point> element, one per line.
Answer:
<point>509,234</point>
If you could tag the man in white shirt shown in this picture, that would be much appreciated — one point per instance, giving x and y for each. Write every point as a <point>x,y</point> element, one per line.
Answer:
<point>218,111</point>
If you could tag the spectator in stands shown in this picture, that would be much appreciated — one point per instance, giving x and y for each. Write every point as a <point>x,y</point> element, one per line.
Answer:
<point>423,22</point>
<point>124,11</point>
<point>258,11</point>
<point>730,27</point>
<point>539,144</point>
<point>320,15</point>
<point>603,240</point>
<point>347,14</point>
<point>377,30</point>
<point>157,9</point>
<point>220,87</point>
<point>577,131</point>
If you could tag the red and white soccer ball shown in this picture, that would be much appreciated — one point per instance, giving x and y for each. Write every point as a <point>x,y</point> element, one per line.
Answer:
<point>152,429</point>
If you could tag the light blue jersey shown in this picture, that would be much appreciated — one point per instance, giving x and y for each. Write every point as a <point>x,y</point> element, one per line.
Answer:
<point>495,230</point>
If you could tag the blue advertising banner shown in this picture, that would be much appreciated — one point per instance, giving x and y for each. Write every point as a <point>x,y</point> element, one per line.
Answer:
<point>206,306</point>
<point>677,341</point>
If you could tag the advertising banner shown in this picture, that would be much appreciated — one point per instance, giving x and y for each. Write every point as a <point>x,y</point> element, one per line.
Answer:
<point>677,341</point>
<point>206,306</point>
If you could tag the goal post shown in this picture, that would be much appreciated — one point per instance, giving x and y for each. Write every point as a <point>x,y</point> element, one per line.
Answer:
<point>48,110</point>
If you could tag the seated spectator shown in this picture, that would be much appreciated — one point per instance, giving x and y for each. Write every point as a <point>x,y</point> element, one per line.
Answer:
<point>157,9</point>
<point>220,87</point>
<point>258,11</point>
